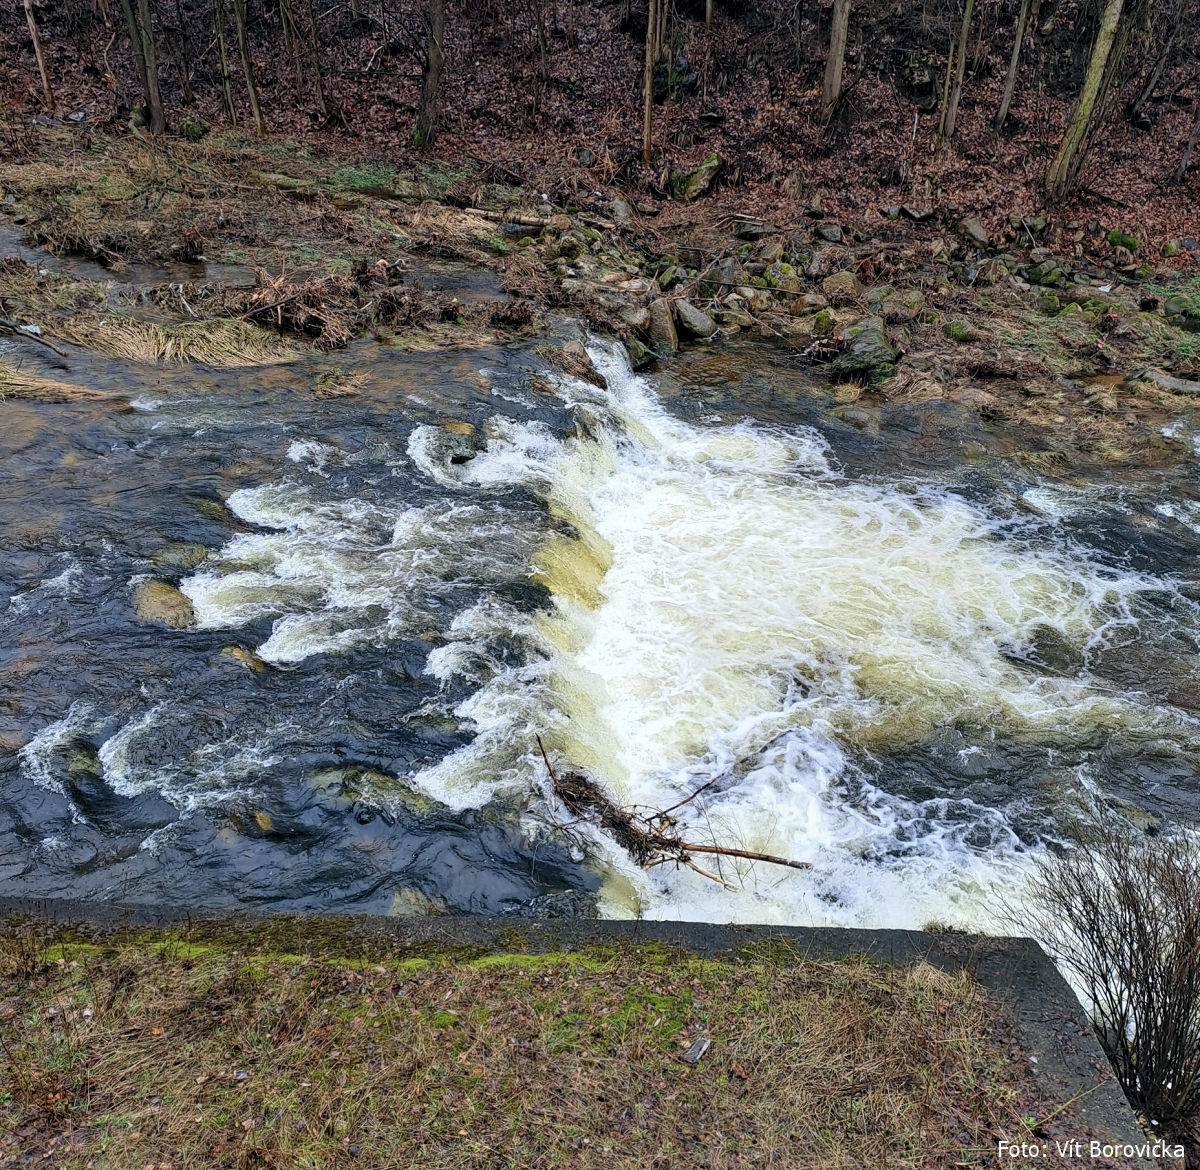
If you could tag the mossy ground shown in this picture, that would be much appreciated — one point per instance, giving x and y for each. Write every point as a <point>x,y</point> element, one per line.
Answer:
<point>170,1049</point>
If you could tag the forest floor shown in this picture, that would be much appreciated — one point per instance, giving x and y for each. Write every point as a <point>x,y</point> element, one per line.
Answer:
<point>1077,339</point>
<point>180,1049</point>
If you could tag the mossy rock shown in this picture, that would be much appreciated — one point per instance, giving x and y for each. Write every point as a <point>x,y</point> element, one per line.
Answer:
<point>1120,239</point>
<point>823,323</point>
<point>960,330</point>
<point>1050,304</point>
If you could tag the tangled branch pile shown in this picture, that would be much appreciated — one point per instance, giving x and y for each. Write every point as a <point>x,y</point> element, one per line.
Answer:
<point>650,840</point>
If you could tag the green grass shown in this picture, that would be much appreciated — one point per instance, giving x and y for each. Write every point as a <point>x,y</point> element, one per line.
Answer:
<point>192,1052</point>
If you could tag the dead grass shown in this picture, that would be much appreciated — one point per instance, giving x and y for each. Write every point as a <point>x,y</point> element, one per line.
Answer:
<point>18,382</point>
<point>182,1056</point>
<point>224,343</point>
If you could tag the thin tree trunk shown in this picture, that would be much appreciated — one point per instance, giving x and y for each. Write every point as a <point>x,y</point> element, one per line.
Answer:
<point>226,80</point>
<point>287,22</point>
<point>1160,66</point>
<point>47,92</point>
<point>708,13</point>
<point>539,20</point>
<point>431,81</point>
<point>946,89</point>
<point>239,16</point>
<point>322,105</point>
<point>158,117</point>
<point>960,71</point>
<point>181,50</point>
<point>648,79</point>
<point>832,88</point>
<point>1065,167</point>
<point>1014,64</point>
<point>139,53</point>
<point>1181,174</point>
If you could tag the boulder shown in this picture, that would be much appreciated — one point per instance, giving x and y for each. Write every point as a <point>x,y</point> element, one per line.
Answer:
<point>156,601</point>
<point>639,356</point>
<point>734,317</point>
<point>721,278</point>
<point>973,231</point>
<point>865,355</point>
<point>689,185</point>
<point>695,321</point>
<point>771,251</point>
<point>662,333</point>
<point>842,286</point>
<point>753,229</point>
<point>830,232</point>
<point>622,215</point>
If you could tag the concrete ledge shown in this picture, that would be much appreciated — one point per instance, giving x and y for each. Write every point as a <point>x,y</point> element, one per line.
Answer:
<point>1048,1022</point>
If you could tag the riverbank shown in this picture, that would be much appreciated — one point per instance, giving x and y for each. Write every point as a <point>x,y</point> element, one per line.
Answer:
<point>1073,341</point>
<point>289,1042</point>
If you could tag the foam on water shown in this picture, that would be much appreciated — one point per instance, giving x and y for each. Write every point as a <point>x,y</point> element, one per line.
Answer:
<point>337,574</point>
<point>733,611</point>
<point>727,610</point>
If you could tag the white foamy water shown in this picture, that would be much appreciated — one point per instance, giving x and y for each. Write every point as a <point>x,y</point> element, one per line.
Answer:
<point>734,611</point>
<point>728,610</point>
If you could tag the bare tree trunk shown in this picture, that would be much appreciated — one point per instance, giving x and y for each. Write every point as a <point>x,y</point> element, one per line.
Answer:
<point>832,89</point>
<point>1156,73</point>
<point>322,105</point>
<point>1014,64</point>
<point>539,20</point>
<point>1072,150</point>
<point>239,16</point>
<point>181,54</point>
<point>139,55</point>
<point>226,80</point>
<point>708,13</point>
<point>431,80</point>
<point>158,118</point>
<point>960,72</point>
<point>287,22</point>
<point>1181,174</point>
<point>648,78</point>
<point>47,93</point>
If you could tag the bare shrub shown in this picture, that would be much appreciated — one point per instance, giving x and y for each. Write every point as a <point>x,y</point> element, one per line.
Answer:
<point>1122,913</point>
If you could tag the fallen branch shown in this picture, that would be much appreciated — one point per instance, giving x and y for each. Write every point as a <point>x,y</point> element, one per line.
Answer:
<point>653,841</point>
<point>24,331</point>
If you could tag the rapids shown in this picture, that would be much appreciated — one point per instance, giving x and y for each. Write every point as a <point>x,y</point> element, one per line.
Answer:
<point>910,676</point>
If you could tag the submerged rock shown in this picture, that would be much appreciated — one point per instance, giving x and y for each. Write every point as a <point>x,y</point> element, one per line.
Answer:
<point>156,601</point>
<point>178,556</point>
<point>244,657</point>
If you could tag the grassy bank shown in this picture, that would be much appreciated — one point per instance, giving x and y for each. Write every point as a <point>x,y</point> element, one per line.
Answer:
<point>161,1050</point>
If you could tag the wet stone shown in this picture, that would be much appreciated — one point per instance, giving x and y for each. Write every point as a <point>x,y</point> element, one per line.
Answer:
<point>158,602</point>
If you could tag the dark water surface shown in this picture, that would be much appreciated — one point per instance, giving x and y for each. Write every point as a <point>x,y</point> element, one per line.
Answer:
<point>341,540</point>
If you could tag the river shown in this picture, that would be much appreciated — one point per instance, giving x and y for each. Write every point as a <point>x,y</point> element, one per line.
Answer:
<point>905,666</point>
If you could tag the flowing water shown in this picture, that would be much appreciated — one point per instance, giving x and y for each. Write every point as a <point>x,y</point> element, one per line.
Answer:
<point>906,669</point>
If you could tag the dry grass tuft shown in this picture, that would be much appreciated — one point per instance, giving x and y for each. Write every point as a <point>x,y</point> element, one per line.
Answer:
<point>17,382</point>
<point>128,1054</point>
<point>222,343</point>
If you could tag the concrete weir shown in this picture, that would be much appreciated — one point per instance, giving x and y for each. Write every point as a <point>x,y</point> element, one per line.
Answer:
<point>1046,1019</point>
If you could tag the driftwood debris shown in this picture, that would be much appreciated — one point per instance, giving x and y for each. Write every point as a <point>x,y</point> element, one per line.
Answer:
<point>25,331</point>
<point>650,840</point>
